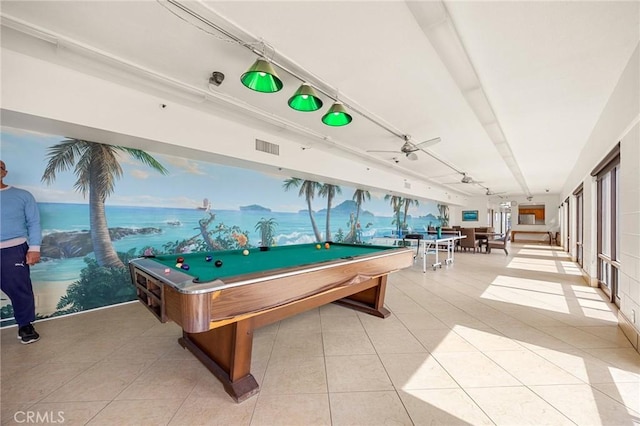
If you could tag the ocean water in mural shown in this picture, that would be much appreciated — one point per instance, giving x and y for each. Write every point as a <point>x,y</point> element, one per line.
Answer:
<point>179,224</point>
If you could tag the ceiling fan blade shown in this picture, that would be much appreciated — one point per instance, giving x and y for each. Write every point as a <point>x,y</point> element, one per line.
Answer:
<point>395,152</point>
<point>428,143</point>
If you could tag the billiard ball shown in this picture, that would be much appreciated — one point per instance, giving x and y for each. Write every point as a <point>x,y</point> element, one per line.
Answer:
<point>180,260</point>
<point>185,267</point>
<point>218,263</point>
<point>318,246</point>
<point>327,245</point>
<point>245,252</point>
<point>179,265</point>
<point>208,258</point>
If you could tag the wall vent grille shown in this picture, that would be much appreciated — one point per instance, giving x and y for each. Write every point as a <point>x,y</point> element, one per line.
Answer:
<point>268,147</point>
<point>407,185</point>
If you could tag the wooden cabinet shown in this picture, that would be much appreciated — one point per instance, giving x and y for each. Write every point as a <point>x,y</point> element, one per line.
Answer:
<point>151,293</point>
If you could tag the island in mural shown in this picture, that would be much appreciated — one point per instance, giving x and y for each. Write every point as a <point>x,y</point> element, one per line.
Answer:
<point>102,205</point>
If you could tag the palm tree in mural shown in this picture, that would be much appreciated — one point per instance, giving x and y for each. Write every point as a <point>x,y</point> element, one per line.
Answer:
<point>359,196</point>
<point>443,215</point>
<point>396,204</point>
<point>408,202</point>
<point>308,188</point>
<point>96,169</point>
<point>329,191</point>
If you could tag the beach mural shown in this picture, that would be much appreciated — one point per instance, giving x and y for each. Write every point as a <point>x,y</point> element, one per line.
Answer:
<point>102,205</point>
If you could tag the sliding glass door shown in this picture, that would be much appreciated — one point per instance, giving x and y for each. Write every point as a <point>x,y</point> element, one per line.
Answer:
<point>608,202</point>
<point>579,193</point>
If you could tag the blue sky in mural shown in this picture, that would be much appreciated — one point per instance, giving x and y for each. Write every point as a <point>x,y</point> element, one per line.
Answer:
<point>25,155</point>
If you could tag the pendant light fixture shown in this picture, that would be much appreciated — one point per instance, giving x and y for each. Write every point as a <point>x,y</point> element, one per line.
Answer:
<point>305,99</point>
<point>337,115</point>
<point>262,77</point>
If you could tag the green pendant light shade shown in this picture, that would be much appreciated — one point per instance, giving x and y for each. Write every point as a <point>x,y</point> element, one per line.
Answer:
<point>261,77</point>
<point>337,115</point>
<point>305,99</point>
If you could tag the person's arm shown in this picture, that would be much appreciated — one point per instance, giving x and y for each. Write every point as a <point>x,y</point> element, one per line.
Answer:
<point>32,217</point>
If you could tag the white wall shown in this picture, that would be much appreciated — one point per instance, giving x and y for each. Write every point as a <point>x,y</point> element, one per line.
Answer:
<point>49,95</point>
<point>619,122</point>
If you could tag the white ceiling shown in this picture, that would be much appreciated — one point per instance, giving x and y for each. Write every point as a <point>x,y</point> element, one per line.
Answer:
<point>513,89</point>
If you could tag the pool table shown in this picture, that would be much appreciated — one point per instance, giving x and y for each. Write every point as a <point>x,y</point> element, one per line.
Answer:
<point>219,307</point>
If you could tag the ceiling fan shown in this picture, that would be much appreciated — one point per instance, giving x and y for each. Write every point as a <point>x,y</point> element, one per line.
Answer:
<point>409,148</point>
<point>465,179</point>
<point>489,193</point>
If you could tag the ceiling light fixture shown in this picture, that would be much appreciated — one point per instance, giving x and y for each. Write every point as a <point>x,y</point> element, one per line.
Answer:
<point>337,115</point>
<point>262,77</point>
<point>305,99</point>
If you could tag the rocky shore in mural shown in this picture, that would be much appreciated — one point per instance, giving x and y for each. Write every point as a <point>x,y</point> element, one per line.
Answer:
<point>64,245</point>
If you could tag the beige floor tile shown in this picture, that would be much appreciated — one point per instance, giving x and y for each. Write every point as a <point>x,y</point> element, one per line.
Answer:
<point>11,413</point>
<point>297,343</point>
<point>595,408</point>
<point>140,412</point>
<point>307,321</point>
<point>533,338</point>
<point>347,343</point>
<point>394,342</point>
<point>218,410</point>
<point>341,322</point>
<point>516,405</point>
<point>31,384</point>
<point>368,408</point>
<point>295,375</point>
<point>64,413</point>
<point>356,373</point>
<point>416,371</point>
<point>103,381</point>
<point>444,340</point>
<point>626,359</point>
<point>443,407</point>
<point>531,369</point>
<point>588,368</point>
<point>486,340</point>
<point>627,394</point>
<point>474,369</point>
<point>305,409</point>
<point>578,338</point>
<point>421,320</point>
<point>164,379</point>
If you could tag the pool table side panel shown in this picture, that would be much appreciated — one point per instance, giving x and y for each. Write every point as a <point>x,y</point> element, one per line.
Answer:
<point>236,301</point>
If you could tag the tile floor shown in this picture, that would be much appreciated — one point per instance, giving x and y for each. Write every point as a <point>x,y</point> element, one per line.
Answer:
<point>492,339</point>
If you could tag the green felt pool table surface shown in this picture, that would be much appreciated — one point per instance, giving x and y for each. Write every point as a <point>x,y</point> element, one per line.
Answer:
<point>235,263</point>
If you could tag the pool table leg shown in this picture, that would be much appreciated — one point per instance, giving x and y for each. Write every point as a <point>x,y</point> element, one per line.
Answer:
<point>370,301</point>
<point>226,352</point>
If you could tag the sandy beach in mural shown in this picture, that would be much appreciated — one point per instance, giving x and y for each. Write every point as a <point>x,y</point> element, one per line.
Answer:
<point>48,293</point>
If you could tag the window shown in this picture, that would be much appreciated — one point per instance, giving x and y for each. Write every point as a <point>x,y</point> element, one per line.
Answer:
<point>607,175</point>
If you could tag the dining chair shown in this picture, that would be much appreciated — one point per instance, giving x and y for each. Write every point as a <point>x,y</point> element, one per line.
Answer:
<point>470,242</point>
<point>499,243</point>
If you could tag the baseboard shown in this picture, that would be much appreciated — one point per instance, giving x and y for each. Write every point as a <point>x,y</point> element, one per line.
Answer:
<point>629,330</point>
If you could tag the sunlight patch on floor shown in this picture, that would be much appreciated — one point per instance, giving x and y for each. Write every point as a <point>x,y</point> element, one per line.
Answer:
<point>537,294</point>
<point>544,265</point>
<point>544,253</point>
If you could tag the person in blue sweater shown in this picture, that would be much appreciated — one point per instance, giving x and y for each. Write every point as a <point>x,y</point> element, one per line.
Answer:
<point>20,237</point>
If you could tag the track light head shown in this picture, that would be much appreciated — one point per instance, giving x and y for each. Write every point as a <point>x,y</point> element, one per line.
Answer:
<point>262,77</point>
<point>305,99</point>
<point>337,115</point>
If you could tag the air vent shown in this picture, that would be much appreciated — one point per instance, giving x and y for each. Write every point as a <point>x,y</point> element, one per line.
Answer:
<point>268,147</point>
<point>407,185</point>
